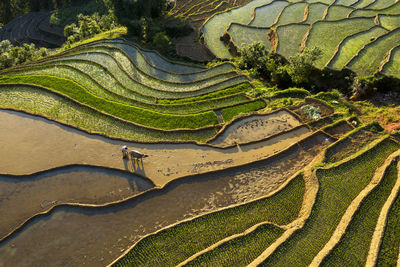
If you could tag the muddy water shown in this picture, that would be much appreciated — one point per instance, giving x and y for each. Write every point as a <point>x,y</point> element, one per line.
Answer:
<point>30,144</point>
<point>256,128</point>
<point>23,197</point>
<point>72,236</point>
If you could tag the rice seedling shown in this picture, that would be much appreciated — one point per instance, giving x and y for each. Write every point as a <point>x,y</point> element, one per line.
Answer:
<point>392,68</point>
<point>232,112</point>
<point>130,113</point>
<point>290,38</point>
<point>338,187</point>
<point>353,44</point>
<point>58,108</point>
<point>389,249</point>
<point>265,16</point>
<point>353,248</point>
<point>335,32</point>
<point>240,251</point>
<point>292,14</point>
<point>372,55</point>
<point>173,245</point>
<point>389,22</point>
<point>338,12</point>
<point>315,12</point>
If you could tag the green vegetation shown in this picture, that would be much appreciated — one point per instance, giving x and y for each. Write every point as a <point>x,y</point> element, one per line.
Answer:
<point>371,56</point>
<point>241,88</point>
<point>130,113</point>
<point>353,44</point>
<point>290,38</point>
<point>56,107</point>
<point>173,245</point>
<point>265,16</point>
<point>240,251</point>
<point>338,187</point>
<point>292,14</point>
<point>353,248</point>
<point>14,55</point>
<point>350,143</point>
<point>232,112</point>
<point>389,249</point>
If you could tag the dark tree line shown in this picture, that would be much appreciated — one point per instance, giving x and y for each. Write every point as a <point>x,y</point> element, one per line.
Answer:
<point>10,9</point>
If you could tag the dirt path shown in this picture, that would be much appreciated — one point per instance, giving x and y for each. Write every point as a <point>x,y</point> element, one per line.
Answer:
<point>77,236</point>
<point>22,197</point>
<point>31,144</point>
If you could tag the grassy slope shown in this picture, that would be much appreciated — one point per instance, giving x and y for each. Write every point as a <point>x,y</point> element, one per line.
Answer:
<point>174,245</point>
<point>338,187</point>
<point>137,115</point>
<point>353,248</point>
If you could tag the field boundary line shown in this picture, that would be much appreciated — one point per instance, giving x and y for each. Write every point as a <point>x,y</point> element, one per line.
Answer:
<point>157,189</point>
<point>388,58</point>
<point>56,61</point>
<point>103,113</point>
<point>97,49</point>
<point>354,58</point>
<point>282,186</point>
<point>376,240</point>
<point>276,191</point>
<point>226,240</point>
<point>310,196</point>
<point>338,47</point>
<point>353,209</point>
<point>256,114</point>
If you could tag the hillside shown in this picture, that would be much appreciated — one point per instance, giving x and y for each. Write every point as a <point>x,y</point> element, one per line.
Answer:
<point>245,160</point>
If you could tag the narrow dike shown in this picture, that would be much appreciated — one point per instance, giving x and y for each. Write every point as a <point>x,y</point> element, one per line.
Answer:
<point>346,179</point>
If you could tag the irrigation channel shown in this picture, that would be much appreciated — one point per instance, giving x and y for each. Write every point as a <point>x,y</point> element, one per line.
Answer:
<point>75,235</point>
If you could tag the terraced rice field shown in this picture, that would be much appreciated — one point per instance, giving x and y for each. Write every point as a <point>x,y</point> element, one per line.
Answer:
<point>229,180</point>
<point>119,81</point>
<point>33,28</point>
<point>359,35</point>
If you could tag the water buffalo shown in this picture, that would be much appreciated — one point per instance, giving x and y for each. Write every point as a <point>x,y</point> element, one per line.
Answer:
<point>137,155</point>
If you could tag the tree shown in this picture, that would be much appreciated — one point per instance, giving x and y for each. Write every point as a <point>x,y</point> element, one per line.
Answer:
<point>162,42</point>
<point>300,66</point>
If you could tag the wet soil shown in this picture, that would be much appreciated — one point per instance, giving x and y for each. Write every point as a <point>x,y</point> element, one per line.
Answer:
<point>339,129</point>
<point>23,197</point>
<point>31,144</point>
<point>256,128</point>
<point>351,145</point>
<point>72,236</point>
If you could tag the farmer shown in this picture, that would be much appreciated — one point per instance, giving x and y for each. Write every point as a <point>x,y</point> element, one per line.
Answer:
<point>124,152</point>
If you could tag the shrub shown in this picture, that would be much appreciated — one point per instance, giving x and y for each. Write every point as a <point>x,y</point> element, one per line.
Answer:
<point>162,42</point>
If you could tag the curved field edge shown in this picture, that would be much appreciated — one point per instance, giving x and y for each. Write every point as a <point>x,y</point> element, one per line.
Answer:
<point>339,185</point>
<point>353,247</point>
<point>331,153</point>
<point>185,239</point>
<point>210,101</point>
<point>242,250</point>
<point>136,115</point>
<point>68,112</point>
<point>387,245</point>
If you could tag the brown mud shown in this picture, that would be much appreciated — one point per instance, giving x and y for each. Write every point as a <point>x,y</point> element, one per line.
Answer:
<point>351,145</point>
<point>23,197</point>
<point>256,127</point>
<point>31,144</point>
<point>72,236</point>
